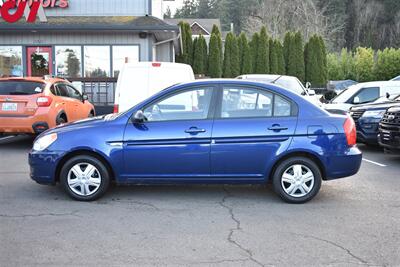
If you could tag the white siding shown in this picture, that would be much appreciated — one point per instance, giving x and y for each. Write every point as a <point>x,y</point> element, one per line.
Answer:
<point>102,8</point>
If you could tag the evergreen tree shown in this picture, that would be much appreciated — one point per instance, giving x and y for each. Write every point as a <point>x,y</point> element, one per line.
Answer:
<point>254,50</point>
<point>298,56</point>
<point>287,42</point>
<point>227,66</point>
<point>273,57</point>
<point>316,62</point>
<point>198,60</point>
<point>244,55</point>
<point>215,30</point>
<point>291,57</point>
<point>214,57</point>
<point>235,66</point>
<point>280,58</point>
<point>204,54</point>
<point>262,62</point>
<point>187,44</point>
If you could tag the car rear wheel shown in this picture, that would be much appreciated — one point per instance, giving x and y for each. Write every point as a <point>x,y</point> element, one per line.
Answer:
<point>85,178</point>
<point>297,180</point>
<point>61,120</point>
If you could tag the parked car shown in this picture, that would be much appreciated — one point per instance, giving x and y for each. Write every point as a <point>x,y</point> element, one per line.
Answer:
<point>396,78</point>
<point>34,105</point>
<point>339,86</point>
<point>368,116</point>
<point>389,130</point>
<point>363,93</point>
<point>210,131</point>
<point>289,82</point>
<point>138,81</point>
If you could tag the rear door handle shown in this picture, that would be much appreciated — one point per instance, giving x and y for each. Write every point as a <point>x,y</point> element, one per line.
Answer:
<point>195,130</point>
<point>277,128</point>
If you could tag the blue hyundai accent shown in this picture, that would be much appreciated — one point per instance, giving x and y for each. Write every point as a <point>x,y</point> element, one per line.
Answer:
<point>204,132</point>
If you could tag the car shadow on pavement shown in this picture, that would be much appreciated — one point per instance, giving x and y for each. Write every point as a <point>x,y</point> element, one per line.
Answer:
<point>22,142</point>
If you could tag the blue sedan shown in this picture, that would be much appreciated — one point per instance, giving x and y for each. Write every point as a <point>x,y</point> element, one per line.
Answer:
<point>203,132</point>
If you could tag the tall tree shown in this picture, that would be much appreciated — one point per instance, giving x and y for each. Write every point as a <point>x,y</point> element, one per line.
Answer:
<point>214,57</point>
<point>197,56</point>
<point>215,30</point>
<point>227,66</point>
<point>203,42</point>
<point>273,57</point>
<point>244,55</point>
<point>287,47</point>
<point>254,50</point>
<point>262,62</point>
<point>280,58</point>
<point>298,56</point>
<point>235,62</point>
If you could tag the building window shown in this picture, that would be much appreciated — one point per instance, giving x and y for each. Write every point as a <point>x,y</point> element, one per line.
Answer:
<point>97,61</point>
<point>11,61</point>
<point>123,54</point>
<point>69,61</point>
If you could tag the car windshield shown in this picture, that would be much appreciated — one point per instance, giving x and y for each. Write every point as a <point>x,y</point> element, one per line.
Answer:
<point>21,88</point>
<point>345,95</point>
<point>291,84</point>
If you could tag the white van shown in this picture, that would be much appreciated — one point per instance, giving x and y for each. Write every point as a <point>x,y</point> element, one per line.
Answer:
<point>138,81</point>
<point>363,93</point>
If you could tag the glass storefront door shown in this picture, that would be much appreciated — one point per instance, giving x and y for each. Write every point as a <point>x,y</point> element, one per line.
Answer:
<point>40,61</point>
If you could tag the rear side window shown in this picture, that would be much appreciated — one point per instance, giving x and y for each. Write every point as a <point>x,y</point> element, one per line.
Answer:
<point>21,88</point>
<point>253,103</point>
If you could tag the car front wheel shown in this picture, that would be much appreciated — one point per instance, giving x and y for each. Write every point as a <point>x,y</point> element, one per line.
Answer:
<point>85,178</point>
<point>297,180</point>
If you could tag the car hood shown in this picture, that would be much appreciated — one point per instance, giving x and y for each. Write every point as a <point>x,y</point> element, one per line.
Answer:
<point>376,106</point>
<point>83,124</point>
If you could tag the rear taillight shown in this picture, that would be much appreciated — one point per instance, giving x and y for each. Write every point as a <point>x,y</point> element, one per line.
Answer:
<point>116,109</point>
<point>156,64</point>
<point>44,101</point>
<point>350,131</point>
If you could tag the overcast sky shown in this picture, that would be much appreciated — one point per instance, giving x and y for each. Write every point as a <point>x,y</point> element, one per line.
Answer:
<point>173,5</point>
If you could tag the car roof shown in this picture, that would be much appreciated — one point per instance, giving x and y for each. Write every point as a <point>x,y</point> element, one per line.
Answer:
<point>378,83</point>
<point>34,79</point>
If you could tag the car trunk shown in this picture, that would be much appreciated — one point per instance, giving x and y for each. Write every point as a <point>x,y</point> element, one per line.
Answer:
<point>18,97</point>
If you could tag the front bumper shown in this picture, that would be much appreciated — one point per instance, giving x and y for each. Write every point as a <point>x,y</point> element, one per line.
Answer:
<point>43,166</point>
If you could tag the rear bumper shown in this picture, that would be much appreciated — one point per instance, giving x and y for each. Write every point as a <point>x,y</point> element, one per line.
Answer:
<point>43,166</point>
<point>27,125</point>
<point>344,165</point>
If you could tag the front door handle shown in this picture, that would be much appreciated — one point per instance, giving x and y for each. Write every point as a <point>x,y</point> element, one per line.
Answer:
<point>277,128</point>
<point>195,130</point>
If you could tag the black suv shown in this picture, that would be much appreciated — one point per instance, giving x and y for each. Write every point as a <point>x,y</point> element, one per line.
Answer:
<point>389,130</point>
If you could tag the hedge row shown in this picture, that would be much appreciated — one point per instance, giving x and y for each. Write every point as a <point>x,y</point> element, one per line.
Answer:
<point>364,64</point>
<point>261,55</point>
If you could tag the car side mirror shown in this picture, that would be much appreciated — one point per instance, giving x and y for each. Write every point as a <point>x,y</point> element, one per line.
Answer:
<point>139,117</point>
<point>85,97</point>
<point>356,100</point>
<point>311,92</point>
<point>387,95</point>
<point>308,85</point>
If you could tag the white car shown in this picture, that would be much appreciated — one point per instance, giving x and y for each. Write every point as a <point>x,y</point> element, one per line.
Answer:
<point>138,81</point>
<point>363,93</point>
<point>288,82</point>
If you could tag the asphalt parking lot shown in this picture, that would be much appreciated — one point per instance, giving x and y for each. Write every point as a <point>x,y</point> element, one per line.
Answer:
<point>352,222</point>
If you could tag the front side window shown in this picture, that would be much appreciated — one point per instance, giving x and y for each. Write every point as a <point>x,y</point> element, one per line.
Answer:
<point>62,89</point>
<point>246,103</point>
<point>97,61</point>
<point>68,61</point>
<point>73,93</point>
<point>11,61</point>
<point>188,105</point>
<point>366,95</point>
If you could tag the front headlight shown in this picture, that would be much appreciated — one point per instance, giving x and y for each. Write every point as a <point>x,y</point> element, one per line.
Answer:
<point>44,142</point>
<point>376,114</point>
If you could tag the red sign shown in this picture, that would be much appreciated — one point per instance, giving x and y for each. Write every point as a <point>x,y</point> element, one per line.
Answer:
<point>30,8</point>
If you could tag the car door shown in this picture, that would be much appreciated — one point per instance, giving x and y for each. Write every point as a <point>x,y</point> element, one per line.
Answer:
<point>251,127</point>
<point>175,140</point>
<point>64,99</point>
<point>77,108</point>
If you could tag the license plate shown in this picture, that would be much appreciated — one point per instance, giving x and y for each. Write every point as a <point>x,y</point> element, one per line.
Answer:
<point>9,107</point>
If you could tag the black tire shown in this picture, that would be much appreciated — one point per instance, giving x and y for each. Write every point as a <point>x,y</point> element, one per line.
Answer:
<point>61,120</point>
<point>285,165</point>
<point>101,168</point>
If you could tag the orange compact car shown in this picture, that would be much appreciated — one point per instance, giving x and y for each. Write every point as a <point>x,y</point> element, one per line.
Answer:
<point>33,105</point>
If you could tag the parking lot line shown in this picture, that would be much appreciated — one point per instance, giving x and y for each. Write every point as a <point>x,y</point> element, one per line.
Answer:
<point>374,162</point>
<point>7,137</point>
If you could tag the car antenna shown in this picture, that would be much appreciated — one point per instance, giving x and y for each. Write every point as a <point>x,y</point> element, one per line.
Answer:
<point>274,81</point>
